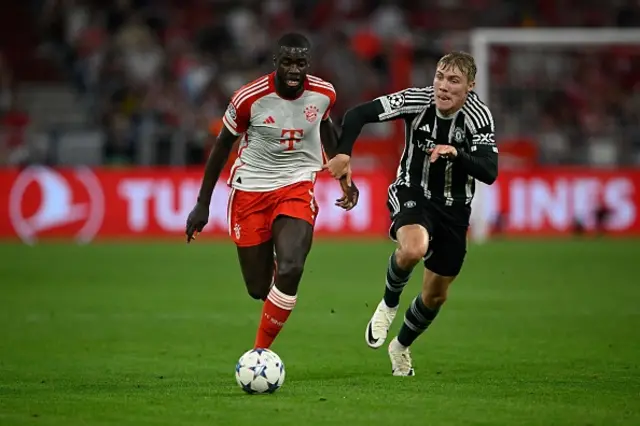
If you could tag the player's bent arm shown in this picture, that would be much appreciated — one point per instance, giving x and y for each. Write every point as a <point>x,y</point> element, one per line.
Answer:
<point>215,163</point>
<point>482,165</point>
<point>482,162</point>
<point>329,137</point>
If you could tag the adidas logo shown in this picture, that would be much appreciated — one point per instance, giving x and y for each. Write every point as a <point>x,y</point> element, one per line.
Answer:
<point>269,120</point>
<point>425,128</point>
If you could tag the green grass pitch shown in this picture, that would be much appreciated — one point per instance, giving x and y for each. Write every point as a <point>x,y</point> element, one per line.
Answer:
<point>534,333</point>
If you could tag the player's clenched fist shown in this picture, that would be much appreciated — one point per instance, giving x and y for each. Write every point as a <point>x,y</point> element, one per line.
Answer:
<point>338,166</point>
<point>196,221</point>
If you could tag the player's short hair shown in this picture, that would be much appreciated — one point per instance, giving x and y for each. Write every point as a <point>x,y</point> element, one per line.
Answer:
<point>294,40</point>
<point>461,60</point>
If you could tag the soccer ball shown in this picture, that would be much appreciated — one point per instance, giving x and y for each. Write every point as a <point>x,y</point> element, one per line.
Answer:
<point>260,371</point>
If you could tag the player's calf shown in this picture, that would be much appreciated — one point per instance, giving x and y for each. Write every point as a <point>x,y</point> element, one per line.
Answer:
<point>256,264</point>
<point>424,308</point>
<point>292,239</point>
<point>258,283</point>
<point>258,290</point>
<point>413,243</point>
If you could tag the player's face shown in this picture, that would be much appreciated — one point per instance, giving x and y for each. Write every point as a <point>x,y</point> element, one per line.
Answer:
<point>291,67</point>
<point>451,88</point>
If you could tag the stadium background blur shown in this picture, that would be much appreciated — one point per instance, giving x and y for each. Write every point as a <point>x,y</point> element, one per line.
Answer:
<point>111,102</point>
<point>137,77</point>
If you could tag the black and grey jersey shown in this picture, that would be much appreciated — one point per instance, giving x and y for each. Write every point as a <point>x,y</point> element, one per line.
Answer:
<point>470,130</point>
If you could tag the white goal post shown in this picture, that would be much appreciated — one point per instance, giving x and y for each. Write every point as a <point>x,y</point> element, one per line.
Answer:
<point>481,41</point>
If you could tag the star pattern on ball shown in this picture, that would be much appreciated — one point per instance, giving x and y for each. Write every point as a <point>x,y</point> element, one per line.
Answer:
<point>259,370</point>
<point>247,388</point>
<point>272,387</point>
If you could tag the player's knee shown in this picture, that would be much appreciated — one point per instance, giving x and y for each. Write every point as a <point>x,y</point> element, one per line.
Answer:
<point>413,244</point>
<point>290,268</point>
<point>411,253</point>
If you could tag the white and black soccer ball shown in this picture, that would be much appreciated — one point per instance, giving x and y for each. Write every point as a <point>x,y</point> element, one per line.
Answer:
<point>260,371</point>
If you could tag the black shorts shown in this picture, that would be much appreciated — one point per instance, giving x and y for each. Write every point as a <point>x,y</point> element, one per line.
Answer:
<point>447,227</point>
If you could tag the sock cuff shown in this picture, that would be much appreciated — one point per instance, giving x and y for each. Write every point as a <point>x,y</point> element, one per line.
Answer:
<point>427,313</point>
<point>281,300</point>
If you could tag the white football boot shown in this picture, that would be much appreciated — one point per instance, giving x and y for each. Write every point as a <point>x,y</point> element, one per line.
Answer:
<point>378,327</point>
<point>400,356</point>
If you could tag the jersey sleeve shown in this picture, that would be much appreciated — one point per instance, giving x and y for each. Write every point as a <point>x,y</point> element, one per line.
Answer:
<point>404,103</point>
<point>483,133</point>
<point>236,118</point>
<point>484,140</point>
<point>332,101</point>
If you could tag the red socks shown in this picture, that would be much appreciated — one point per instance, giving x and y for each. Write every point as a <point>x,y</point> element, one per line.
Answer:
<point>275,312</point>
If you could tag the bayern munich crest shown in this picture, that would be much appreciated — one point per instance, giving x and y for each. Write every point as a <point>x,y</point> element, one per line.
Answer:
<point>311,113</point>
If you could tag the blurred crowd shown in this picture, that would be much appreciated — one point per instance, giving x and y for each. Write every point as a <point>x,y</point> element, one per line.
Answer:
<point>155,69</point>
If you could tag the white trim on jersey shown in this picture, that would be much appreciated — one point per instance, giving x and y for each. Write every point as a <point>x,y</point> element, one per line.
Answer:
<point>229,207</point>
<point>412,100</point>
<point>315,81</point>
<point>478,113</point>
<point>393,198</point>
<point>249,93</point>
<point>256,88</point>
<point>249,87</point>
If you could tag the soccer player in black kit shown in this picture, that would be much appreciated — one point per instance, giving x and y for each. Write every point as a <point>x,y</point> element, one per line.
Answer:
<point>449,143</point>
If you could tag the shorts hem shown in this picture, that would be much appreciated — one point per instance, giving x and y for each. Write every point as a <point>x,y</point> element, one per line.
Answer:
<point>252,244</point>
<point>310,222</point>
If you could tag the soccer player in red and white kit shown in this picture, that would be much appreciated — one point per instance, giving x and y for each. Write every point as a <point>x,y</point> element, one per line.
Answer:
<point>282,122</point>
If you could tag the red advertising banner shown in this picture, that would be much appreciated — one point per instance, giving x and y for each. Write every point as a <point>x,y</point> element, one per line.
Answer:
<point>85,204</point>
<point>122,203</point>
<point>551,201</point>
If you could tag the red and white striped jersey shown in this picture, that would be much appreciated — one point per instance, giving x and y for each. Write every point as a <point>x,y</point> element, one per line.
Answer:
<point>281,142</point>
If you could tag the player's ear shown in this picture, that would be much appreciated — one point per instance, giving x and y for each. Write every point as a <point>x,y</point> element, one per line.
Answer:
<point>471,86</point>
<point>275,61</point>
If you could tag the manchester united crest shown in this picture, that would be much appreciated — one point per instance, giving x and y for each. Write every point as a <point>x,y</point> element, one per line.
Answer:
<point>458,135</point>
<point>311,113</point>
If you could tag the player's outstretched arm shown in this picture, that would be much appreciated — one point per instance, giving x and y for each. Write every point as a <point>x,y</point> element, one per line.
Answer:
<point>353,122</point>
<point>218,157</point>
<point>404,104</point>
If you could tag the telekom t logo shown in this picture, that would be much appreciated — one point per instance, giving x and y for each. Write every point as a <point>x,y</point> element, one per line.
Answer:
<point>290,137</point>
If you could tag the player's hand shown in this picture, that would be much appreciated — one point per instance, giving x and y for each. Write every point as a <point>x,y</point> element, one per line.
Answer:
<point>196,221</point>
<point>338,166</point>
<point>350,192</point>
<point>447,152</point>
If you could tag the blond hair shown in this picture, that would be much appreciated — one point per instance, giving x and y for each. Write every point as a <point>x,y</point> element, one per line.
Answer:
<point>462,61</point>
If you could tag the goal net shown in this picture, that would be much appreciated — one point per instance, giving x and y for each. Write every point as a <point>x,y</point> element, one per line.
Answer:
<point>558,88</point>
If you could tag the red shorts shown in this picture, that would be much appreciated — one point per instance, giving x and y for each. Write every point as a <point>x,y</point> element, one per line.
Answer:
<point>251,214</point>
